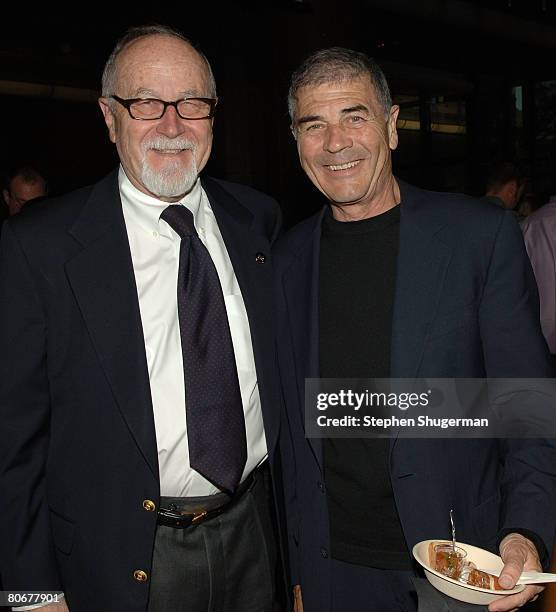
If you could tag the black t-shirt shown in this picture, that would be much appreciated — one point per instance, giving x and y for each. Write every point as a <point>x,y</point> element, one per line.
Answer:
<point>357,284</point>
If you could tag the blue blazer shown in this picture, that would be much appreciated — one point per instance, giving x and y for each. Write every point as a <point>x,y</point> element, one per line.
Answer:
<point>78,447</point>
<point>465,306</point>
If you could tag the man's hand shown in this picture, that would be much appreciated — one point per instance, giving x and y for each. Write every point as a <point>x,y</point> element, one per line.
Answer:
<point>519,554</point>
<point>297,600</point>
<point>60,606</point>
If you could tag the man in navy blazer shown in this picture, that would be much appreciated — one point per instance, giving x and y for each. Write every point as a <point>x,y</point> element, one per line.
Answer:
<point>93,440</point>
<point>391,280</point>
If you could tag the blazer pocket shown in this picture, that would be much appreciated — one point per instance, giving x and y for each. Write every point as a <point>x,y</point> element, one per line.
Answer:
<point>62,532</point>
<point>453,321</point>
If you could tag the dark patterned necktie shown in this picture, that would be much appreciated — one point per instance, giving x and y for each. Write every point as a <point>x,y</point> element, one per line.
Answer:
<point>214,410</point>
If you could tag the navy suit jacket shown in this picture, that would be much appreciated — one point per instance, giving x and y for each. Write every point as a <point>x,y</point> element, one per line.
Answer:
<point>78,449</point>
<point>465,306</point>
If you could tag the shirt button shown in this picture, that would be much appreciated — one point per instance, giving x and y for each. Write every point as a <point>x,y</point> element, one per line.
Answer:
<point>140,576</point>
<point>155,234</point>
<point>324,553</point>
<point>320,485</point>
<point>149,505</point>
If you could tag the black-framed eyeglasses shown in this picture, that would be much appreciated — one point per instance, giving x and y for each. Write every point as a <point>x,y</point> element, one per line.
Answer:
<point>149,109</point>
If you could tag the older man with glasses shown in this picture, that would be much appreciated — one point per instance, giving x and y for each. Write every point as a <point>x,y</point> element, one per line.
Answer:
<point>137,443</point>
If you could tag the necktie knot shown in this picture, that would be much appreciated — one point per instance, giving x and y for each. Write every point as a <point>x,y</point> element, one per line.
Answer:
<point>180,219</point>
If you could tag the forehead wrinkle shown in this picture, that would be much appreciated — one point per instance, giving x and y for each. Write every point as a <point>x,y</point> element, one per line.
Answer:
<point>166,62</point>
<point>344,111</point>
<point>350,92</point>
<point>152,93</point>
<point>309,118</point>
<point>170,67</point>
<point>354,109</point>
<point>140,76</point>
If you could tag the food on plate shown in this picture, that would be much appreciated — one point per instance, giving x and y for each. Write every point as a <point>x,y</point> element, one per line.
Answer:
<point>451,562</point>
<point>446,559</point>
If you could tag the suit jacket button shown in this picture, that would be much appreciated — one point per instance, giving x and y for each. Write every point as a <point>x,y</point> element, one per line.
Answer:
<point>324,553</point>
<point>140,576</point>
<point>149,505</point>
<point>260,258</point>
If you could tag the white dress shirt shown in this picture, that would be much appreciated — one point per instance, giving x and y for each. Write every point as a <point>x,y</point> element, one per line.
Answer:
<point>155,249</point>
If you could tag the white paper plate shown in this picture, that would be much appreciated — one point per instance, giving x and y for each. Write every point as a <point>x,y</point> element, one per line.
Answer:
<point>463,592</point>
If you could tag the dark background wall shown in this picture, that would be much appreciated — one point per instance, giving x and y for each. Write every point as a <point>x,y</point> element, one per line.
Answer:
<point>470,76</point>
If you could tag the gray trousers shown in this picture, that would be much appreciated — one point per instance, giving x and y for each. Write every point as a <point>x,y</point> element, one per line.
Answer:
<point>225,564</point>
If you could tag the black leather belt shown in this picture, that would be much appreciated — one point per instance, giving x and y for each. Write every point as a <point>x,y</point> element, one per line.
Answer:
<point>181,519</point>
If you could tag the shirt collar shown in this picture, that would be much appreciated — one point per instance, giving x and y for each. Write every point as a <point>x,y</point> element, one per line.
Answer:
<point>145,210</point>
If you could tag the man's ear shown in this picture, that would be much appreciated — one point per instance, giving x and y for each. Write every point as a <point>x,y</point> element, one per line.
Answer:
<point>392,131</point>
<point>109,118</point>
<point>293,131</point>
<point>6,195</point>
<point>508,193</point>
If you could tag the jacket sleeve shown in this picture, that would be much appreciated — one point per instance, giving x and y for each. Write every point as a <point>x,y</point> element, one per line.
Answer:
<point>290,500</point>
<point>28,560</point>
<point>514,347</point>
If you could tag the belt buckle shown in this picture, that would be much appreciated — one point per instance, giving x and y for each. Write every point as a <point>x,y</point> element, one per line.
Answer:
<point>192,518</point>
<point>182,519</point>
<point>197,516</point>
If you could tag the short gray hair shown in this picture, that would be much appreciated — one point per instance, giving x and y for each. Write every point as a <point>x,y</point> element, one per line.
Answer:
<point>109,73</point>
<point>28,174</point>
<point>335,65</point>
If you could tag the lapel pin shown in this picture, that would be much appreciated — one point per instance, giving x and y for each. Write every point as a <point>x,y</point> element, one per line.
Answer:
<point>260,258</point>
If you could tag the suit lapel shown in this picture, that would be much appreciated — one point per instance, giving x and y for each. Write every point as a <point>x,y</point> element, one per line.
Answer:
<point>103,282</point>
<point>422,265</point>
<point>245,246</point>
<point>303,315</point>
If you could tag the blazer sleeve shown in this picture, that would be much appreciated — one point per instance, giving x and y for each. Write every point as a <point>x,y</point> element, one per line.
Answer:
<point>27,561</point>
<point>286,448</point>
<point>514,347</point>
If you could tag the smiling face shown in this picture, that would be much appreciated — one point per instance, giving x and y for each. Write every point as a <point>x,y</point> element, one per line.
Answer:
<point>163,157</point>
<point>344,143</point>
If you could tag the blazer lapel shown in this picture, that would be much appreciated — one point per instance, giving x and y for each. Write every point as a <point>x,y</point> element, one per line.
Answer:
<point>303,315</point>
<point>422,265</point>
<point>249,252</point>
<point>103,282</point>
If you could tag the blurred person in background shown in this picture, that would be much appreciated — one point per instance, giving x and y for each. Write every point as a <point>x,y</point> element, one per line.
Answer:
<point>504,185</point>
<point>528,204</point>
<point>23,184</point>
<point>539,233</point>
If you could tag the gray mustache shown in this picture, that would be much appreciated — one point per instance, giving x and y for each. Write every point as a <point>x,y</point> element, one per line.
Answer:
<point>162,143</point>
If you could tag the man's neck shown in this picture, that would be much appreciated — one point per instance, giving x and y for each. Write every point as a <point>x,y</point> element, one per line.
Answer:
<point>388,197</point>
